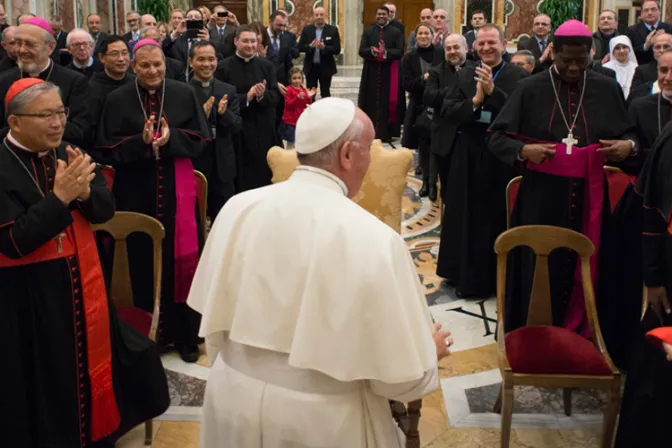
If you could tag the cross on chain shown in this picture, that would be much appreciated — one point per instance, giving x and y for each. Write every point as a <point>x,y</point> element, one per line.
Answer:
<point>570,141</point>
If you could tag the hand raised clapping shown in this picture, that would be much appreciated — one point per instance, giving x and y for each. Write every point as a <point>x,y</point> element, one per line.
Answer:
<point>73,179</point>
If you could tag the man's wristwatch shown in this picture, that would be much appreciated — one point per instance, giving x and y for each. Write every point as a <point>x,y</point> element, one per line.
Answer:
<point>634,150</point>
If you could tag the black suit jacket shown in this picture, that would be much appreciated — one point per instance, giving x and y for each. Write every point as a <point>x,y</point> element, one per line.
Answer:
<point>640,91</point>
<point>283,57</point>
<point>645,73</point>
<point>637,35</point>
<point>219,158</point>
<point>127,37</point>
<point>442,79</point>
<point>179,49</point>
<point>58,56</point>
<point>224,44</point>
<point>332,48</point>
<point>532,45</point>
<point>101,37</point>
<point>602,44</point>
<point>89,71</point>
<point>401,27</point>
<point>597,67</point>
<point>175,70</point>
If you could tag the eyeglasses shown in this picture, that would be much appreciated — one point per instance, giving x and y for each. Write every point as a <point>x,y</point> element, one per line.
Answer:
<point>80,44</point>
<point>116,54</point>
<point>49,115</point>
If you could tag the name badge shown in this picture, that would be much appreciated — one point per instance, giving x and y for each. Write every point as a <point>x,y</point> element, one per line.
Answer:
<point>486,117</point>
<point>213,131</point>
<point>327,38</point>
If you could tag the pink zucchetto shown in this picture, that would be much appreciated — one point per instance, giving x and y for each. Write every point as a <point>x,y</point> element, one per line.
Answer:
<point>144,42</point>
<point>573,28</point>
<point>39,21</point>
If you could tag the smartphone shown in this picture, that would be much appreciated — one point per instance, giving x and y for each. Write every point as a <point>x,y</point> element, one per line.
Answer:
<point>193,28</point>
<point>223,14</point>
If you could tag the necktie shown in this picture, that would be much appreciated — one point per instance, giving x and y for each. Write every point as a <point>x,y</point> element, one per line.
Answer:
<point>276,47</point>
<point>542,45</point>
<point>221,32</point>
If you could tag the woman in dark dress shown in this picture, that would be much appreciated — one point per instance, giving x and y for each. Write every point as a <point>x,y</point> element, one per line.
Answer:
<point>415,65</point>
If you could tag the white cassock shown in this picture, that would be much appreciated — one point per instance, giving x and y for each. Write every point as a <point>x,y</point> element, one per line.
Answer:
<point>313,317</point>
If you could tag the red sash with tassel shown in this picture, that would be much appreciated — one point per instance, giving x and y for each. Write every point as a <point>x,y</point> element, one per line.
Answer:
<point>78,240</point>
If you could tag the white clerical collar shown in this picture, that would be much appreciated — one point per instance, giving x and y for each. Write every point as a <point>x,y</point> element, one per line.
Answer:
<point>244,58</point>
<point>321,177</point>
<point>16,143</point>
<point>207,83</point>
<point>89,63</point>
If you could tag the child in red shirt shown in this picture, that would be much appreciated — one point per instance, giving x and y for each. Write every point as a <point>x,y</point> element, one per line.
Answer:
<point>297,98</point>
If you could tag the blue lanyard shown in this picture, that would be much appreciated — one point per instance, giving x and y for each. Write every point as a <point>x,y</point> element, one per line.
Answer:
<point>500,69</point>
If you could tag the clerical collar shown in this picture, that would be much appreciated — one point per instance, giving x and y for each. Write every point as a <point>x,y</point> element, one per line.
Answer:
<point>89,63</point>
<point>321,177</point>
<point>244,58</point>
<point>207,83</point>
<point>113,78</point>
<point>16,143</point>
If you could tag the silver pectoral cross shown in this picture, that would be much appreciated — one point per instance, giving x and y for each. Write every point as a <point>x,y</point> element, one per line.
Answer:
<point>569,141</point>
<point>59,241</point>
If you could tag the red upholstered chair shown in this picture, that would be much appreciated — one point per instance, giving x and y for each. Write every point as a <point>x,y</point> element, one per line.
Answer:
<point>202,198</point>
<point>618,182</point>
<point>120,227</point>
<point>108,174</point>
<point>511,195</point>
<point>540,354</point>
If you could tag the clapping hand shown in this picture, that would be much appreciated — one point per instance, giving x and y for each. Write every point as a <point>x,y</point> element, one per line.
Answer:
<point>223,105</point>
<point>73,179</point>
<point>207,106</point>
<point>282,89</point>
<point>437,38</point>
<point>443,342</point>
<point>148,131</point>
<point>262,50</point>
<point>165,135</point>
<point>315,43</point>
<point>548,53</point>
<point>484,79</point>
<point>260,89</point>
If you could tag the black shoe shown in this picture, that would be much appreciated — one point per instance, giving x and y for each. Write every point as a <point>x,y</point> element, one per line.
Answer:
<point>424,191</point>
<point>418,171</point>
<point>189,353</point>
<point>433,193</point>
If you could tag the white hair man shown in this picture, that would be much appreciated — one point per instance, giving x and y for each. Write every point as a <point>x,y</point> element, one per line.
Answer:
<point>321,361</point>
<point>35,43</point>
<point>9,46</point>
<point>80,45</point>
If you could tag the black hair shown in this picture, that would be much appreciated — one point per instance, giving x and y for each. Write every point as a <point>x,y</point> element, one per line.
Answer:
<point>200,44</point>
<point>109,40</point>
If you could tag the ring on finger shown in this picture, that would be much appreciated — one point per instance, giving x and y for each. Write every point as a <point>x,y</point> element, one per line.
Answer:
<point>80,180</point>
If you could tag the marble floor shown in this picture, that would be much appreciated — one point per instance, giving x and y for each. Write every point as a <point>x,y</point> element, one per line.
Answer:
<point>459,414</point>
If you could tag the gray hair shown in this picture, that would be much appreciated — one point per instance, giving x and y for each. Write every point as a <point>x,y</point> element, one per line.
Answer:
<point>6,31</point>
<point>144,30</point>
<point>75,32</point>
<point>27,96</point>
<point>527,54</point>
<point>326,156</point>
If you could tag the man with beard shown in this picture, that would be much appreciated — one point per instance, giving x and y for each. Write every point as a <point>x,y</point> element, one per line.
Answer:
<point>80,46</point>
<point>9,45</point>
<point>222,110</point>
<point>554,127</point>
<point>174,69</point>
<point>440,81</point>
<point>649,72</point>
<point>380,94</point>
<point>474,208</point>
<point>150,138</point>
<point>76,375</point>
<point>257,90</point>
<point>116,60</point>
<point>35,43</point>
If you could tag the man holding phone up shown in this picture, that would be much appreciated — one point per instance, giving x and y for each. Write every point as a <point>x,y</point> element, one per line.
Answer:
<point>224,31</point>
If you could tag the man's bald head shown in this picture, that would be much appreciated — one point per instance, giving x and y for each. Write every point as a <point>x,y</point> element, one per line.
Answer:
<point>319,16</point>
<point>9,41</point>
<point>541,26</point>
<point>455,46</point>
<point>426,16</point>
<point>147,20</point>
<point>661,43</point>
<point>440,19</point>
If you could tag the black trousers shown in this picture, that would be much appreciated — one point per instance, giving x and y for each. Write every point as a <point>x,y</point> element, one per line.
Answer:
<point>428,162</point>
<point>219,193</point>
<point>316,75</point>
<point>442,166</point>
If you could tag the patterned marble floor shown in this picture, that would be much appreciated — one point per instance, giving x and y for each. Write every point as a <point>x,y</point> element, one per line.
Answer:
<point>459,413</point>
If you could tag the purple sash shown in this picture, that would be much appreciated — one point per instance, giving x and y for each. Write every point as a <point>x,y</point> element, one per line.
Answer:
<point>394,92</point>
<point>186,233</point>
<point>588,164</point>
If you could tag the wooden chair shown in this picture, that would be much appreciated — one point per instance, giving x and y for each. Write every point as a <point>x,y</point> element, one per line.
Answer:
<point>525,356</point>
<point>381,194</point>
<point>120,227</point>
<point>511,195</point>
<point>202,198</point>
<point>618,182</point>
<point>108,174</point>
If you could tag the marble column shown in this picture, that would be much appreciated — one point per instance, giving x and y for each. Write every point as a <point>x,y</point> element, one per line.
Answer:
<point>353,29</point>
<point>449,6</point>
<point>18,7</point>
<point>254,10</point>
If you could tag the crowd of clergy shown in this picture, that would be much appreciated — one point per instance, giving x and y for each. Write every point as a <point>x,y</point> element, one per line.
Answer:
<point>280,291</point>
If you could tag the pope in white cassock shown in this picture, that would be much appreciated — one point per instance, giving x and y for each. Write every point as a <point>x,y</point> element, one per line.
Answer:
<point>313,314</point>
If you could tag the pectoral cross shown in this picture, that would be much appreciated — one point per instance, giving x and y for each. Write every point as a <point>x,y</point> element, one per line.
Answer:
<point>570,141</point>
<point>59,241</point>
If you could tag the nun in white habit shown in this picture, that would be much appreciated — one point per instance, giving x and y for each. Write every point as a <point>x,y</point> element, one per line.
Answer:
<point>313,313</point>
<point>622,61</point>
